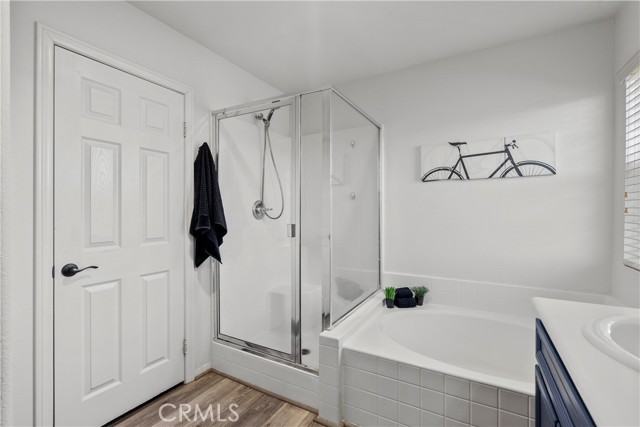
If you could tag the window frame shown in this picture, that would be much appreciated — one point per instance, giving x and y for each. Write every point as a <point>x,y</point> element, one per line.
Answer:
<point>630,78</point>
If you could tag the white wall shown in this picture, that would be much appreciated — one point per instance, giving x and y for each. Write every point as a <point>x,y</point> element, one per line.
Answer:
<point>5,109</point>
<point>125,31</point>
<point>548,232</point>
<point>626,281</point>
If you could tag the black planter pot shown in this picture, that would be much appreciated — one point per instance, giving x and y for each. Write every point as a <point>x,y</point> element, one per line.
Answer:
<point>389,303</point>
<point>420,300</point>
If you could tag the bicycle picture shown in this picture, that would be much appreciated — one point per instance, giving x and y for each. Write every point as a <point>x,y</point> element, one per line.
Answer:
<point>509,167</point>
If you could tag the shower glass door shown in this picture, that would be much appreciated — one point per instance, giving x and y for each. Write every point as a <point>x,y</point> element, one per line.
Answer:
<point>257,285</point>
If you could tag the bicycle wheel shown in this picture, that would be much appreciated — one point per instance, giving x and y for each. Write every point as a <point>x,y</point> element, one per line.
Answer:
<point>529,168</point>
<point>441,174</point>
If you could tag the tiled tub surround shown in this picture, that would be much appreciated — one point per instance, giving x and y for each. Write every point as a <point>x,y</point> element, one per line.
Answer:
<point>371,377</point>
<point>382,392</point>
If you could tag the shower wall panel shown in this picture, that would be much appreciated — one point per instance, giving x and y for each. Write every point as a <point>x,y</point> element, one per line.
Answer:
<point>355,216</point>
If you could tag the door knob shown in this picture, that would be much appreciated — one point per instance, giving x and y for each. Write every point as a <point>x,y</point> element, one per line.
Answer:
<point>70,270</point>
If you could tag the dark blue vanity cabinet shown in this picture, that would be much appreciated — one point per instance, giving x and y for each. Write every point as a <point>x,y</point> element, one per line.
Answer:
<point>558,403</point>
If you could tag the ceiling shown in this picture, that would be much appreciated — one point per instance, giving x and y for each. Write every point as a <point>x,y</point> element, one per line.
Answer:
<point>303,45</point>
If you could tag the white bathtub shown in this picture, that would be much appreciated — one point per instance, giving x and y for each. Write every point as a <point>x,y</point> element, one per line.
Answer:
<point>488,348</point>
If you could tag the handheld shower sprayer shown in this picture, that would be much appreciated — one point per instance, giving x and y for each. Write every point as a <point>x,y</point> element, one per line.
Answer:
<point>259,209</point>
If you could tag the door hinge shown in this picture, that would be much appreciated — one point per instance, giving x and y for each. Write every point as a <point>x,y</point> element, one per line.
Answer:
<point>184,346</point>
<point>185,130</point>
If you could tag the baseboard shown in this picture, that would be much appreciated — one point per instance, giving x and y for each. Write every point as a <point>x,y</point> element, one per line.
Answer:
<point>328,423</point>
<point>203,373</point>
<point>202,370</point>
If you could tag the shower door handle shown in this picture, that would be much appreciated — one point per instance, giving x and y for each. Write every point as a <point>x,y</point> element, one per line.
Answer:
<point>291,230</point>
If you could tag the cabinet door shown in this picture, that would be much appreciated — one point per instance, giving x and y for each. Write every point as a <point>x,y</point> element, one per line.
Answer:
<point>568,405</point>
<point>545,414</point>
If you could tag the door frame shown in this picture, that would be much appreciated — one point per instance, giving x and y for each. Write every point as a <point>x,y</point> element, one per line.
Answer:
<point>46,41</point>
<point>294,357</point>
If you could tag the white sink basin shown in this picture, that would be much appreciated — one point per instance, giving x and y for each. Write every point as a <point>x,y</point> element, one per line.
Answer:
<point>617,337</point>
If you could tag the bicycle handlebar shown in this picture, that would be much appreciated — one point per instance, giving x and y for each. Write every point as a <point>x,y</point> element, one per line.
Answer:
<point>512,144</point>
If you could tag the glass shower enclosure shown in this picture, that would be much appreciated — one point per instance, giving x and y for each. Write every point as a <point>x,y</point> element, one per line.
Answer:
<point>300,182</point>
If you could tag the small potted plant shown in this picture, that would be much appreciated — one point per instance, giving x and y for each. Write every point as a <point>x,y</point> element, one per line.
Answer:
<point>419,292</point>
<point>390,295</point>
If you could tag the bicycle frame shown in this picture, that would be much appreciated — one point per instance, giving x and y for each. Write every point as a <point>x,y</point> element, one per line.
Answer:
<point>489,153</point>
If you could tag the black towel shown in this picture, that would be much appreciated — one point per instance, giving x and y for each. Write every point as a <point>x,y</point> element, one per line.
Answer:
<point>403,293</point>
<point>208,224</point>
<point>405,302</point>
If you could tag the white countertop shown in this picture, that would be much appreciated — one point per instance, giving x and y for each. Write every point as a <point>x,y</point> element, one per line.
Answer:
<point>610,390</point>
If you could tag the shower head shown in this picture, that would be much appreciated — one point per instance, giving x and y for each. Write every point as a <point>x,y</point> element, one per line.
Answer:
<point>260,116</point>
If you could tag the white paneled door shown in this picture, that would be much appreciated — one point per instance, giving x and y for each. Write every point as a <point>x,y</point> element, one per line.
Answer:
<point>119,182</point>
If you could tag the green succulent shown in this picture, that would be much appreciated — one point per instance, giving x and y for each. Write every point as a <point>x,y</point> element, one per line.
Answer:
<point>420,291</point>
<point>390,292</point>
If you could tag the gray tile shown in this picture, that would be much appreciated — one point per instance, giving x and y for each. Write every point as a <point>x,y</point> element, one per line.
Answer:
<point>456,387</point>
<point>349,396</point>
<point>329,356</point>
<point>350,376</point>
<point>409,394</point>
<point>383,422</point>
<point>432,401</point>
<point>532,407</point>
<point>409,374</point>
<point>458,409</point>
<point>368,363</point>
<point>483,416</point>
<point>408,415</point>
<point>507,419</point>
<point>532,422</point>
<point>329,342</point>
<point>329,413</point>
<point>388,387</point>
<point>514,402</point>
<point>350,358</point>
<point>349,413</point>
<point>484,394</point>
<point>429,419</point>
<point>361,399</point>
<point>366,419</point>
<point>388,368</point>
<point>388,408</point>
<point>329,375</point>
<point>367,381</point>
<point>328,394</point>
<point>432,380</point>
<point>448,422</point>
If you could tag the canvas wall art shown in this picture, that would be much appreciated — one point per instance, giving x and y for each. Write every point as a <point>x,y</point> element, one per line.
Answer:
<point>503,157</point>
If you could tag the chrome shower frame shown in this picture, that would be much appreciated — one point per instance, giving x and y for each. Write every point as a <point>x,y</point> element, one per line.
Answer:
<point>295,101</point>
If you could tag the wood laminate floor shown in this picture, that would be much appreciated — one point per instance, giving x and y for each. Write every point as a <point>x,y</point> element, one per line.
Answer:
<point>212,390</point>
